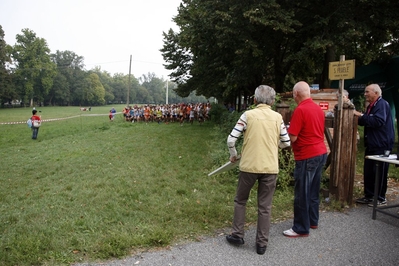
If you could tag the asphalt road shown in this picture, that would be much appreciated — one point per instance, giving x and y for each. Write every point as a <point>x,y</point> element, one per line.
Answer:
<point>343,238</point>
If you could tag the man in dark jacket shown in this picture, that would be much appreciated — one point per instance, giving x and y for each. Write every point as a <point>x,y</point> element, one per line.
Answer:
<point>379,136</point>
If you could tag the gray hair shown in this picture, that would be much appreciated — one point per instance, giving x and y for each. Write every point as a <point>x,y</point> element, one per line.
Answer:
<point>344,92</point>
<point>265,94</point>
<point>376,88</point>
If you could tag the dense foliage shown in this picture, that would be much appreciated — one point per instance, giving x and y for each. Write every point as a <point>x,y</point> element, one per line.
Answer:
<point>226,48</point>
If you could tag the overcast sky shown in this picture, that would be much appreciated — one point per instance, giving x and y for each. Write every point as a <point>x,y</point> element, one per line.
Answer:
<point>104,32</point>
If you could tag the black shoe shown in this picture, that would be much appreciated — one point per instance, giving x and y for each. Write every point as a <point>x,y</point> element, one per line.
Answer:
<point>260,250</point>
<point>364,200</point>
<point>234,240</point>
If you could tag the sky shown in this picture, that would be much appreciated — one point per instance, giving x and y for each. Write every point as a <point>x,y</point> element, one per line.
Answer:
<point>105,32</point>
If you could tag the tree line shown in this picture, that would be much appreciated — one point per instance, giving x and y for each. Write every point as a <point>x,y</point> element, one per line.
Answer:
<point>31,75</point>
<point>222,49</point>
<point>226,48</point>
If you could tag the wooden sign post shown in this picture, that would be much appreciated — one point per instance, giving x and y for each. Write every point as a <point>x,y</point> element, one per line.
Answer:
<point>343,163</point>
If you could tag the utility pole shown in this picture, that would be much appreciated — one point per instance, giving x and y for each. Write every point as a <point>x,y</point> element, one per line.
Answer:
<point>128,86</point>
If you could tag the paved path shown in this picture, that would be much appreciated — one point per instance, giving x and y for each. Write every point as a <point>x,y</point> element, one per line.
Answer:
<point>350,238</point>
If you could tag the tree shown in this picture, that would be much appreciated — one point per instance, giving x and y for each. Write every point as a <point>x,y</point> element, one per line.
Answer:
<point>7,89</point>
<point>77,85</point>
<point>106,81</point>
<point>134,89</point>
<point>143,95</point>
<point>34,69</point>
<point>90,91</point>
<point>230,51</point>
<point>357,29</point>
<point>155,86</point>
<point>96,91</point>
<point>60,91</point>
<point>69,68</point>
<point>119,85</point>
<point>227,48</point>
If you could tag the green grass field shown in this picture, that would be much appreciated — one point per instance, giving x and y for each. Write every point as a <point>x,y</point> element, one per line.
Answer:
<point>91,189</point>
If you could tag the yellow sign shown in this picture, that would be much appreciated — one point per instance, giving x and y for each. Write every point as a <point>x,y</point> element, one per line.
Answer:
<point>341,70</point>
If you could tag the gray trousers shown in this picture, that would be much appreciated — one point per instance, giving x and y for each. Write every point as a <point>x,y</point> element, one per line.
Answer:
<point>266,187</point>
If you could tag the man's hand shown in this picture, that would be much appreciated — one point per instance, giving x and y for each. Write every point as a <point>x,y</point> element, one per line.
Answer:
<point>233,159</point>
<point>356,113</point>
<point>293,138</point>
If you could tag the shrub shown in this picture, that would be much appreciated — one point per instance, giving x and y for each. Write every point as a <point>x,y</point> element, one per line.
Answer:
<point>286,158</point>
<point>217,112</point>
<point>287,165</point>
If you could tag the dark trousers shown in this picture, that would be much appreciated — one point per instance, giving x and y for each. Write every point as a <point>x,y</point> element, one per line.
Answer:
<point>35,131</point>
<point>307,174</point>
<point>266,187</point>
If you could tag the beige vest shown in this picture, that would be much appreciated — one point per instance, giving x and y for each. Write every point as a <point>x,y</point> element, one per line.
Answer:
<point>261,139</point>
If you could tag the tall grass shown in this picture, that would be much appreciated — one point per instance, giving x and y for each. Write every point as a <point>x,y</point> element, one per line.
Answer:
<point>91,189</point>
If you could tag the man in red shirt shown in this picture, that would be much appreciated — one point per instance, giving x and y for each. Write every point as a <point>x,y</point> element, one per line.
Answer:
<point>306,133</point>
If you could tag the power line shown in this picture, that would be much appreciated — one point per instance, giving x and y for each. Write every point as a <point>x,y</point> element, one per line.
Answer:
<point>124,61</point>
<point>14,67</point>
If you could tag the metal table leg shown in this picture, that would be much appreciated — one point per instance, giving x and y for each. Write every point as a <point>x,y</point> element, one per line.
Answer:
<point>376,186</point>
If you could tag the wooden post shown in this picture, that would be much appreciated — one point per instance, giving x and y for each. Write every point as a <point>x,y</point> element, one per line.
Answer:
<point>343,164</point>
<point>338,123</point>
<point>343,151</point>
<point>284,110</point>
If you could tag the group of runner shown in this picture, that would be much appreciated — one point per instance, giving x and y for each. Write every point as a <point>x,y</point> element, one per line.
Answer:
<point>168,113</point>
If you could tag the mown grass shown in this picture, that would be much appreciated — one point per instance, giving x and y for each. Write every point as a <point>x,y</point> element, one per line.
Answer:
<point>90,189</point>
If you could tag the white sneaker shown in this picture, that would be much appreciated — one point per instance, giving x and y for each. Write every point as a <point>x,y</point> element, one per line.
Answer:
<point>380,203</point>
<point>292,233</point>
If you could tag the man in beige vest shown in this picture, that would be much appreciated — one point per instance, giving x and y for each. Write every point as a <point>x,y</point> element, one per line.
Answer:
<point>264,132</point>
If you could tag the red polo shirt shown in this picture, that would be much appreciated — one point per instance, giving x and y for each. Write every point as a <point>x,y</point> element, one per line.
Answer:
<point>307,123</point>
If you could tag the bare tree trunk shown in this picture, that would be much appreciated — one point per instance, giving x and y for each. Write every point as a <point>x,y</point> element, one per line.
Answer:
<point>329,56</point>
